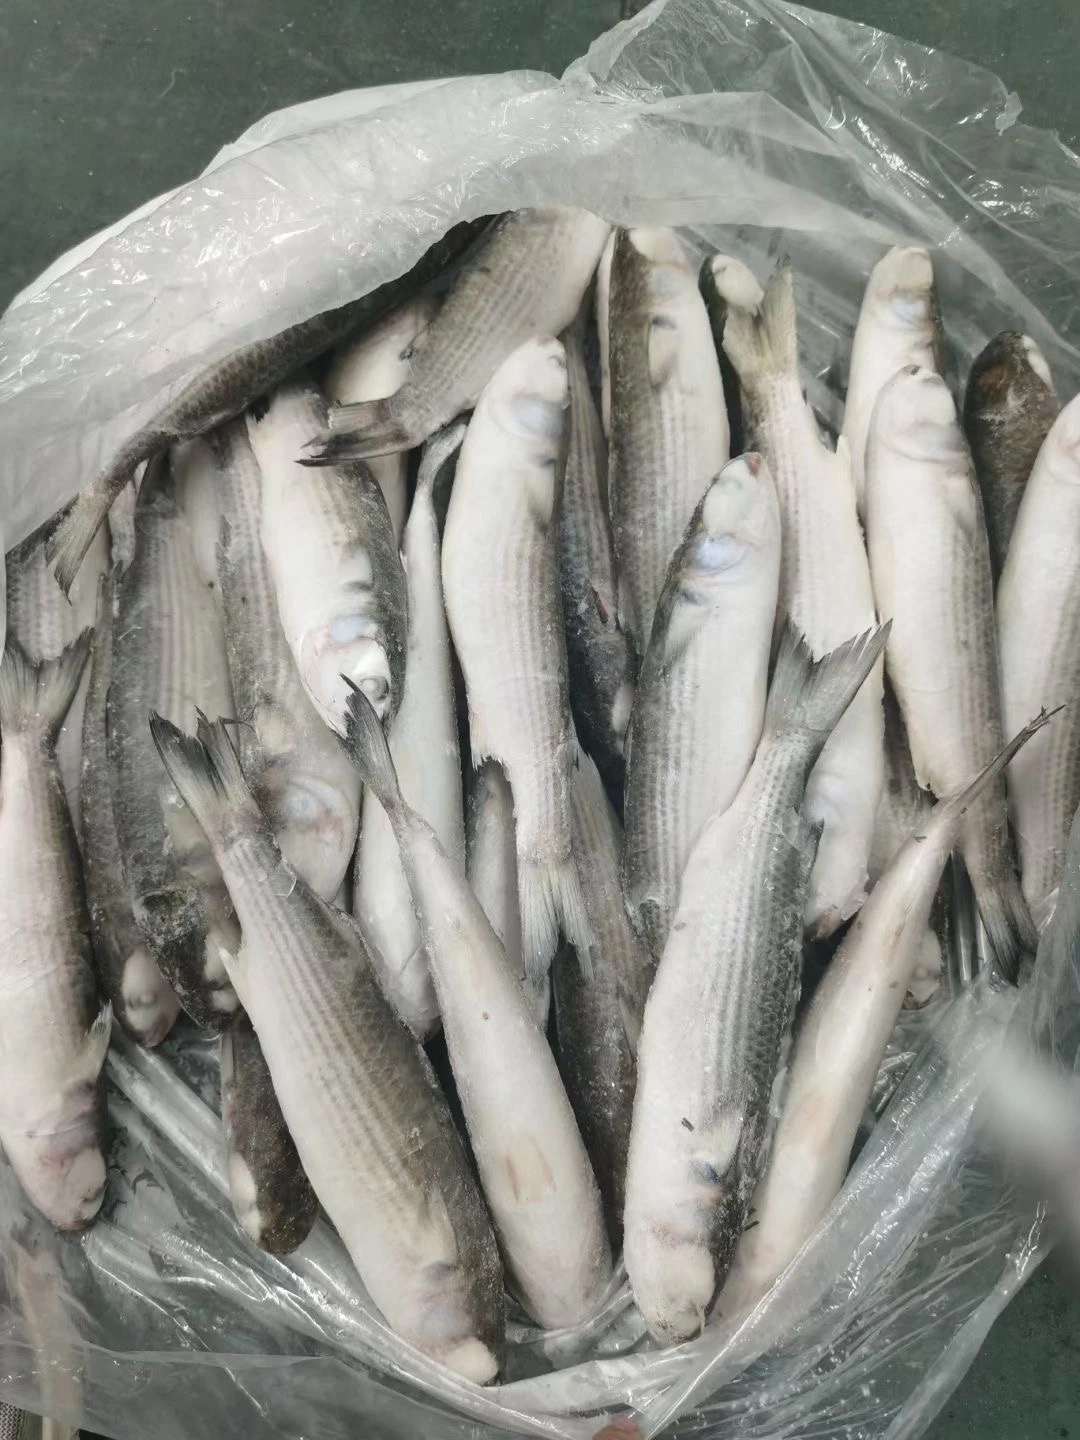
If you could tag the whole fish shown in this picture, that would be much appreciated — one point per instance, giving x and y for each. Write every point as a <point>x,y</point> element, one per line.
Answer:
<point>309,793</point>
<point>231,384</point>
<point>899,324</point>
<point>424,743</point>
<point>1038,623</point>
<point>372,368</point>
<point>298,772</point>
<point>371,1127</point>
<point>720,1011</point>
<point>527,277</point>
<point>702,688</point>
<point>599,655</point>
<point>334,561</point>
<point>169,655</point>
<point>53,1032</point>
<point>141,998</point>
<point>1009,407</point>
<point>931,569</point>
<point>669,428</point>
<point>501,579</point>
<point>839,1045</point>
<point>825,590</point>
<point>529,1153</point>
<point>726,284</point>
<point>271,1195</point>
<point>598,1014</point>
<point>42,620</point>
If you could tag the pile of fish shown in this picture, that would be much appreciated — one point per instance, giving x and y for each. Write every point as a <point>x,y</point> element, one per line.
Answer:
<point>513,655</point>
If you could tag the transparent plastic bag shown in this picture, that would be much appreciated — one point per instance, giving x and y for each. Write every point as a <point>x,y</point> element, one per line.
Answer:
<point>759,128</point>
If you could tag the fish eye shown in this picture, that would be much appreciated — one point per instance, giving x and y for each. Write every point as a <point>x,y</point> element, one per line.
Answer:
<point>375,687</point>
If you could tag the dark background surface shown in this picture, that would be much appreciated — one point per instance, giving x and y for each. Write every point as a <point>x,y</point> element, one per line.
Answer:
<point>105,104</point>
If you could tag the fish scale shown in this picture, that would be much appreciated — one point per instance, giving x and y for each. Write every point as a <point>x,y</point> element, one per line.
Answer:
<point>931,567</point>
<point>701,690</point>
<point>1038,620</point>
<point>669,431</point>
<point>721,1007</point>
<point>168,656</point>
<point>825,588</point>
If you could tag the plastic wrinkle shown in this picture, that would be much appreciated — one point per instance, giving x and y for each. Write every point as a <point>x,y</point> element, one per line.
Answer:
<point>759,128</point>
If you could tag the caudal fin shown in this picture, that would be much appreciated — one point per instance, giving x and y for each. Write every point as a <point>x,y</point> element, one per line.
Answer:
<point>810,695</point>
<point>1005,914</point>
<point>362,432</point>
<point>206,771</point>
<point>365,741</point>
<point>438,451</point>
<point>764,343</point>
<point>66,547</point>
<point>551,902</point>
<point>37,695</point>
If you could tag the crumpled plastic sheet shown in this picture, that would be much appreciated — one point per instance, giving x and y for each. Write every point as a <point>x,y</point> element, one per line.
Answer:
<point>761,129</point>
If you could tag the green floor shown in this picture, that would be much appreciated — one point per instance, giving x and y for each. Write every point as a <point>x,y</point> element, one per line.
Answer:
<point>103,104</point>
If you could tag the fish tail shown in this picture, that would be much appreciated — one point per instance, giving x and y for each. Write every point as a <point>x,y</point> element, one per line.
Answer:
<point>362,432</point>
<point>438,451</point>
<point>66,547</point>
<point>1005,914</point>
<point>368,750</point>
<point>954,806</point>
<point>37,695</point>
<point>551,901</point>
<point>811,695</point>
<point>765,342</point>
<point>206,770</point>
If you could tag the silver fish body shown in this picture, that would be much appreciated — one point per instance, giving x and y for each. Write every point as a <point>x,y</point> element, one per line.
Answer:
<point>298,772</point>
<point>839,1046</point>
<point>229,385</point>
<point>931,569</point>
<point>169,655</point>
<point>53,1033</point>
<point>599,1005</point>
<point>492,857</point>
<point>899,324</point>
<point>719,1015</point>
<point>331,550</point>
<point>372,1130</point>
<point>42,620</point>
<point>727,284</point>
<point>141,998</point>
<point>373,367</point>
<point>271,1195</point>
<point>669,427</point>
<point>701,692</point>
<point>1009,407</point>
<point>825,589</point>
<point>501,583</point>
<point>1038,622</point>
<point>529,1153</point>
<point>528,277</point>
<point>599,654</point>
<point>423,740</point>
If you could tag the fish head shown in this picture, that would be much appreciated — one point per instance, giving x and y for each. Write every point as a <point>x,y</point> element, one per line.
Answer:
<point>735,283</point>
<point>529,396</point>
<point>351,646</point>
<point>314,823</point>
<point>147,1003</point>
<point>916,416</point>
<point>1062,446</point>
<point>57,1155</point>
<point>739,520</point>
<point>901,288</point>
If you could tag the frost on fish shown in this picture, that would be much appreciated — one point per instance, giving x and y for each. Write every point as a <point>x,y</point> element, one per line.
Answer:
<point>334,560</point>
<point>501,584</point>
